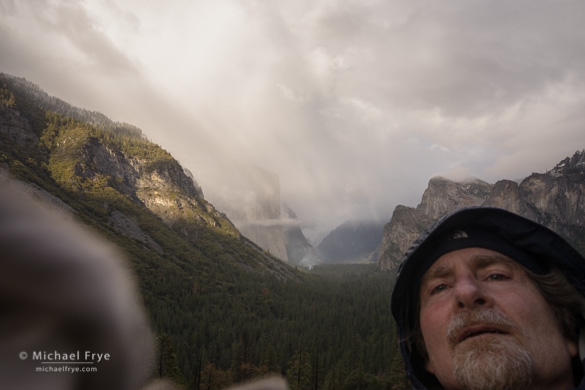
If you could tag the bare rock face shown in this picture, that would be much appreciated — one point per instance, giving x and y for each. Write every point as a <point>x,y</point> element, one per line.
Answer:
<point>443,195</point>
<point>506,194</point>
<point>404,227</point>
<point>555,199</point>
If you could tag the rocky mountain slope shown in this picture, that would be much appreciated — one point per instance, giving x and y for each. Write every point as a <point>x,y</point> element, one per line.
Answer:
<point>119,182</point>
<point>555,198</point>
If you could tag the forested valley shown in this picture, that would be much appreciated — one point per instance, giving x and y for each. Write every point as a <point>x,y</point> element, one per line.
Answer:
<point>223,310</point>
<point>331,331</point>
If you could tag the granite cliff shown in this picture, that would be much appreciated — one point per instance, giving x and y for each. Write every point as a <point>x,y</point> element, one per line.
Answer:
<point>250,196</point>
<point>555,198</point>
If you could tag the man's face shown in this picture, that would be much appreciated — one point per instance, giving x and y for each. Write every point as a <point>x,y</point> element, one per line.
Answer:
<point>483,320</point>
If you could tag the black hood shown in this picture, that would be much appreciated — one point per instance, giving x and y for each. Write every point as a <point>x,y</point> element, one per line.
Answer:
<point>523,240</point>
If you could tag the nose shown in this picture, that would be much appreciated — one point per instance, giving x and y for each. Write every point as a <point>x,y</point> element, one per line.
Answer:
<point>470,294</point>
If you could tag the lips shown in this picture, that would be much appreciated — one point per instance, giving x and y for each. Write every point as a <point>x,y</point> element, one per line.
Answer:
<point>467,325</point>
<point>479,330</point>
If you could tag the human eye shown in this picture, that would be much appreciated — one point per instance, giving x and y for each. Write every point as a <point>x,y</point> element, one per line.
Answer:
<point>497,277</point>
<point>496,269</point>
<point>438,288</point>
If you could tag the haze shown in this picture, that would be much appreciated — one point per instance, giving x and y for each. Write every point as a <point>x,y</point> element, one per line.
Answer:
<point>355,104</point>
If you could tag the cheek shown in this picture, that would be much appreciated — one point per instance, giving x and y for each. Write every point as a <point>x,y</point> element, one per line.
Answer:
<point>435,340</point>
<point>530,311</point>
<point>433,327</point>
<point>426,327</point>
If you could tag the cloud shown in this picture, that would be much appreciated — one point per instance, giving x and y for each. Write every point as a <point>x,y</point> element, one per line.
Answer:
<point>354,104</point>
<point>286,222</point>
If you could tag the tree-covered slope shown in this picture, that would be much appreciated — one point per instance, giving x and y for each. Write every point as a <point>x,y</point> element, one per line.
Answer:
<point>111,173</point>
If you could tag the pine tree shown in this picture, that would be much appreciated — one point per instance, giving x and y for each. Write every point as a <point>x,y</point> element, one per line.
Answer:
<point>167,360</point>
<point>299,373</point>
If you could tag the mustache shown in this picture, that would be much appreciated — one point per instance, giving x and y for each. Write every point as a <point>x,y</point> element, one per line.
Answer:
<point>486,318</point>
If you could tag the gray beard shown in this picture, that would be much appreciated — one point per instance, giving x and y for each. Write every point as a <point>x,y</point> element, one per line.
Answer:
<point>492,365</point>
<point>489,362</point>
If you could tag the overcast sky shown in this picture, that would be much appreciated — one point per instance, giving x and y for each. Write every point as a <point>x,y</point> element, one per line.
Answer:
<point>355,104</point>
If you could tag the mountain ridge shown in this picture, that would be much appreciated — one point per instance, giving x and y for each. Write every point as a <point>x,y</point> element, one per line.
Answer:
<point>112,170</point>
<point>555,199</point>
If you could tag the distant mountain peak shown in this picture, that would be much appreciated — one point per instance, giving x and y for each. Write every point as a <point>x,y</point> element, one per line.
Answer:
<point>443,195</point>
<point>570,165</point>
